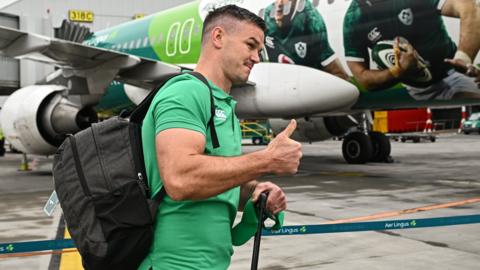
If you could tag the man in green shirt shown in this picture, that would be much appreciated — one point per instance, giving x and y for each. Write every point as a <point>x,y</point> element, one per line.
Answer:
<point>206,186</point>
<point>296,34</point>
<point>420,27</point>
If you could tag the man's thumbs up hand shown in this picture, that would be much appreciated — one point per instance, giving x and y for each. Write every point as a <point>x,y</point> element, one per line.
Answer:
<point>284,153</point>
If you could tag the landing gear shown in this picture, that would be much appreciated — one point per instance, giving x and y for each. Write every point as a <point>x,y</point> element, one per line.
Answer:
<point>357,148</point>
<point>381,147</point>
<point>360,147</point>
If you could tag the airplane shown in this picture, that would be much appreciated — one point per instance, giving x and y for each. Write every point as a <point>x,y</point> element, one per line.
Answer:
<point>115,68</point>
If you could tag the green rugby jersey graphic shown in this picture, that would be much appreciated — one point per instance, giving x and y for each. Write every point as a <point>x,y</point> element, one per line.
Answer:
<point>420,22</point>
<point>305,42</point>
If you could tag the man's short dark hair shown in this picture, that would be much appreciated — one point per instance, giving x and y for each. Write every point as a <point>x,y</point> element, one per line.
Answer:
<point>232,12</point>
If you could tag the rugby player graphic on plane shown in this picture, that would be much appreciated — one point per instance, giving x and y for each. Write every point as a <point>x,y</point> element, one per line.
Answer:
<point>325,63</point>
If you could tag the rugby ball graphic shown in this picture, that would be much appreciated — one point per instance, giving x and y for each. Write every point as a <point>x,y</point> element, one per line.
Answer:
<point>383,55</point>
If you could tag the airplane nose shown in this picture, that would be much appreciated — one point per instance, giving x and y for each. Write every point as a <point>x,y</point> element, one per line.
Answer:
<point>282,90</point>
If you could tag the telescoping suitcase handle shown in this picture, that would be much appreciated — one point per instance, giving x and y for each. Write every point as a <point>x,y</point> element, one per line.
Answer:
<point>262,203</point>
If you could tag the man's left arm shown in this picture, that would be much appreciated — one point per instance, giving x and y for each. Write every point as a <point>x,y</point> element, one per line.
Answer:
<point>469,13</point>
<point>276,202</point>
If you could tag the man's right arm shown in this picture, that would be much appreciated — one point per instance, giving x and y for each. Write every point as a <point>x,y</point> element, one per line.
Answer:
<point>189,174</point>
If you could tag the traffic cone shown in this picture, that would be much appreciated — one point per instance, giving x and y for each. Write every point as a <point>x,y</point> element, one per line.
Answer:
<point>24,165</point>
<point>428,124</point>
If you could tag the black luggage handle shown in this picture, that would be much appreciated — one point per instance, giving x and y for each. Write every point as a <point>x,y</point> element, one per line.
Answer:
<point>261,204</point>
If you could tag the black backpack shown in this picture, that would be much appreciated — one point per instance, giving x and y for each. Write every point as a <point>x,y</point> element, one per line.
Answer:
<point>101,183</point>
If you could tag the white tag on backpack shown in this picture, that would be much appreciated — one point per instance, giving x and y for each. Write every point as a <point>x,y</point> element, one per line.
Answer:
<point>51,204</point>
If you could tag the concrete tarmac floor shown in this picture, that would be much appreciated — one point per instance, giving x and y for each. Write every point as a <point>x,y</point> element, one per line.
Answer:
<point>324,189</point>
<point>22,197</point>
<point>328,189</point>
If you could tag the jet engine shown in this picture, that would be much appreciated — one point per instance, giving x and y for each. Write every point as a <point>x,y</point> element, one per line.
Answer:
<point>35,119</point>
<point>311,129</point>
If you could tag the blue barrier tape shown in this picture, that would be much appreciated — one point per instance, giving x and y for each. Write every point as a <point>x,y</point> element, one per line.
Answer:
<point>374,225</point>
<point>33,246</point>
<point>23,247</point>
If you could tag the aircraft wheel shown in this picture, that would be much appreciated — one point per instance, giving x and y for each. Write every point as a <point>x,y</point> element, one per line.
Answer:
<point>381,147</point>
<point>357,148</point>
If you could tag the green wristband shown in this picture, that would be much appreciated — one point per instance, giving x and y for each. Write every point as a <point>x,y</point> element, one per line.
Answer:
<point>247,227</point>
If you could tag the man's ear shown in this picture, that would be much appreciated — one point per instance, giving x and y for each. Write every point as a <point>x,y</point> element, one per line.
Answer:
<point>218,37</point>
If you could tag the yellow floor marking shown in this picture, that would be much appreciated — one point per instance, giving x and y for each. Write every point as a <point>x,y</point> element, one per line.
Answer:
<point>70,260</point>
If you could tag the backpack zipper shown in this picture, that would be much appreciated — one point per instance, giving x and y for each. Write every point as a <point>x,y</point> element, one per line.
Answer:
<point>136,159</point>
<point>102,165</point>
<point>78,166</point>
<point>142,182</point>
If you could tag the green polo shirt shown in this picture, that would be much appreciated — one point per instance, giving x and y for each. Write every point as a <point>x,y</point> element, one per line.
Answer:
<point>420,22</point>
<point>305,41</point>
<point>192,234</point>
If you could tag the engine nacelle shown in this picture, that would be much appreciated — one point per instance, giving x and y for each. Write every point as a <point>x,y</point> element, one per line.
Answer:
<point>35,119</point>
<point>285,91</point>
<point>311,129</point>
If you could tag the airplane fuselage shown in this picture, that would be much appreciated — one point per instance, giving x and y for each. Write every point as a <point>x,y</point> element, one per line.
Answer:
<point>173,36</point>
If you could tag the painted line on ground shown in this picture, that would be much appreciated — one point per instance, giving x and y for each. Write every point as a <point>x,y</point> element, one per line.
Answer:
<point>405,211</point>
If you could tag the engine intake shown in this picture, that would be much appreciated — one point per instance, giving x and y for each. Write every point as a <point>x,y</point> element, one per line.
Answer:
<point>35,119</point>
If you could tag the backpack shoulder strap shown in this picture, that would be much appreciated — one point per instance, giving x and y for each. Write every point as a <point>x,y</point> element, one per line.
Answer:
<point>211,123</point>
<point>140,111</point>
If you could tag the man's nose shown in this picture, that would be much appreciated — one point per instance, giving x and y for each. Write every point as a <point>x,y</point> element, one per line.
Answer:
<point>255,58</point>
